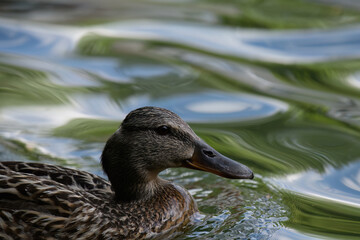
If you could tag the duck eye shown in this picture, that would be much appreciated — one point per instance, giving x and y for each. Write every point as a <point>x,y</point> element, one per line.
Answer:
<point>163,130</point>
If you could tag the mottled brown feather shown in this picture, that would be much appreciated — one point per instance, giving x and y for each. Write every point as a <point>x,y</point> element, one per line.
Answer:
<point>36,203</point>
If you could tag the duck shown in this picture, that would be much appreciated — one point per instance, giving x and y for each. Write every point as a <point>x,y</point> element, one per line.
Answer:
<point>44,201</point>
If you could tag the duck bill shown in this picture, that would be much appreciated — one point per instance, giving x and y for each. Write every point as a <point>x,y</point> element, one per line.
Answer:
<point>207,159</point>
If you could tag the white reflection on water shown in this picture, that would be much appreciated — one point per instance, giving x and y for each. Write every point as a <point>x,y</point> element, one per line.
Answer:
<point>341,185</point>
<point>291,234</point>
<point>354,80</point>
<point>98,106</point>
<point>219,107</point>
<point>352,181</point>
<point>216,106</point>
<point>46,117</point>
<point>39,116</point>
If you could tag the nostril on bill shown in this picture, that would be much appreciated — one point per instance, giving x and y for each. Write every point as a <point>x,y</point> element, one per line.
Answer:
<point>208,153</point>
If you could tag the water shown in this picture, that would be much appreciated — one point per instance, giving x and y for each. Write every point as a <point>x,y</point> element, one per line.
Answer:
<point>273,84</point>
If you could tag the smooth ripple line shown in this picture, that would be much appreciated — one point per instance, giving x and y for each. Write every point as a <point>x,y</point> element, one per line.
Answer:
<point>295,46</point>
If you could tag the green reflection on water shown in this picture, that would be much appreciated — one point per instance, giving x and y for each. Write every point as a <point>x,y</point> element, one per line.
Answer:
<point>331,77</point>
<point>284,147</point>
<point>87,129</point>
<point>283,14</point>
<point>24,86</point>
<point>322,217</point>
<point>273,14</point>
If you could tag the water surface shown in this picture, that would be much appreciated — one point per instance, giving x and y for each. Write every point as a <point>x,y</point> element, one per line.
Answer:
<point>272,84</point>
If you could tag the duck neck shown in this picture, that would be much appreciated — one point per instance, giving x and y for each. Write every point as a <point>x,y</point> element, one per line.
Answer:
<point>135,187</point>
<point>130,181</point>
<point>131,185</point>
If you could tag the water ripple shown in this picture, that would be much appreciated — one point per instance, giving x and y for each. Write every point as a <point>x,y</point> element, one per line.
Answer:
<point>275,46</point>
<point>341,106</point>
<point>62,87</point>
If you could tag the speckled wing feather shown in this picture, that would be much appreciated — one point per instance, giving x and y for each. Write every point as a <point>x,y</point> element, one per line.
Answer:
<point>39,200</point>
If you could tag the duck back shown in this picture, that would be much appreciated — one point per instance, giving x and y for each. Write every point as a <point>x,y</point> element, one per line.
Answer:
<point>41,201</point>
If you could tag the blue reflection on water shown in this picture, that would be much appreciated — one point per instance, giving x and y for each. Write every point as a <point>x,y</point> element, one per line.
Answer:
<point>313,43</point>
<point>24,40</point>
<point>346,180</point>
<point>274,46</point>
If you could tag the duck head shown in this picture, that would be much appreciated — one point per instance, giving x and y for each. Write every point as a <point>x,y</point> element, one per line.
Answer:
<point>151,139</point>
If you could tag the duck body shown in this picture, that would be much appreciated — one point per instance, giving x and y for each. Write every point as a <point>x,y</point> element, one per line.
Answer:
<point>41,201</point>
